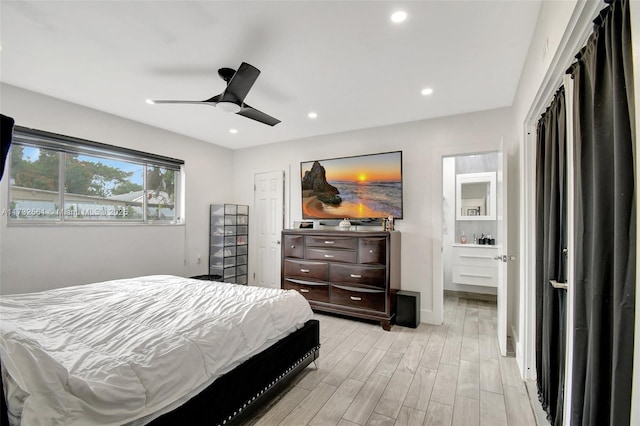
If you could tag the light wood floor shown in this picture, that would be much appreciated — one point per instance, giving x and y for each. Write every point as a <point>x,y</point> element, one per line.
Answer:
<point>433,375</point>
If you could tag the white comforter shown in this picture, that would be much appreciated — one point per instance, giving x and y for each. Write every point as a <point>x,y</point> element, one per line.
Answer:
<point>112,352</point>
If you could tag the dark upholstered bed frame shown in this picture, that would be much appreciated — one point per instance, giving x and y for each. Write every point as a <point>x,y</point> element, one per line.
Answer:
<point>234,396</point>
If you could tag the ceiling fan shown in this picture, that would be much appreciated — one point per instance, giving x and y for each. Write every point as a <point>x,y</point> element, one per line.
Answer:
<point>232,99</point>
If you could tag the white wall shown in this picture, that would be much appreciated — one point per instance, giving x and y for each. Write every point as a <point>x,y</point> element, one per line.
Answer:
<point>41,257</point>
<point>423,143</point>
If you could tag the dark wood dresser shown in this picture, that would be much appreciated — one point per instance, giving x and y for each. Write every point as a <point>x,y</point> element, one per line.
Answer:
<point>354,273</point>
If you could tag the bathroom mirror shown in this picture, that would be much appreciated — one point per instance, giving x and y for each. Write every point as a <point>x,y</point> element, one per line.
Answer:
<point>476,196</point>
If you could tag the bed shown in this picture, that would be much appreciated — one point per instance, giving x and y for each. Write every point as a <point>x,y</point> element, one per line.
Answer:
<point>158,350</point>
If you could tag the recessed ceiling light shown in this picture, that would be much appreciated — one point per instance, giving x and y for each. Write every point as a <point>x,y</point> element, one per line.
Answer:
<point>150,101</point>
<point>312,115</point>
<point>427,91</point>
<point>234,131</point>
<point>399,16</point>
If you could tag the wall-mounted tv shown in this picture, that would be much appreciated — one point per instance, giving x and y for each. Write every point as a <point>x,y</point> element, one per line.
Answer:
<point>360,187</point>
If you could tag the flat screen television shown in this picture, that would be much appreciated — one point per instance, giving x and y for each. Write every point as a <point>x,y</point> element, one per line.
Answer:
<point>361,188</point>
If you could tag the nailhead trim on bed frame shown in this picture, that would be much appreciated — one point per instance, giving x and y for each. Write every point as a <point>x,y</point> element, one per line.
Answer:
<point>248,402</point>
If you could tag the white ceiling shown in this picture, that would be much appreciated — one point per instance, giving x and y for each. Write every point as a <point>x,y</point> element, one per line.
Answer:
<point>344,60</point>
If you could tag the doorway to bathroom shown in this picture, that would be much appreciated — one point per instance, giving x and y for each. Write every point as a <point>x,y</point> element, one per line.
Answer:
<point>473,239</point>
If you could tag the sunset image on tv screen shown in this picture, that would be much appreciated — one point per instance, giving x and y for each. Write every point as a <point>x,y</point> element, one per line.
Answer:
<point>361,187</point>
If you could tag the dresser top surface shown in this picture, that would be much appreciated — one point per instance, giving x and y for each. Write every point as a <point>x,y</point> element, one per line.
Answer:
<point>337,233</point>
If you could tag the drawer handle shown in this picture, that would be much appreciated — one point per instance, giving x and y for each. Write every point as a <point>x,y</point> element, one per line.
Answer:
<point>370,251</point>
<point>356,276</point>
<point>304,290</point>
<point>304,270</point>
<point>329,242</point>
<point>328,256</point>
<point>293,246</point>
<point>475,275</point>
<point>357,299</point>
<point>470,256</point>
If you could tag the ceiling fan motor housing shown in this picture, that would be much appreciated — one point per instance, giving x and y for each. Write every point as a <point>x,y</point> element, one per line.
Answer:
<point>226,73</point>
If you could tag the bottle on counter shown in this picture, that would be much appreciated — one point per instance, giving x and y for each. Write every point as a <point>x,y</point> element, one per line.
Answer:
<point>463,239</point>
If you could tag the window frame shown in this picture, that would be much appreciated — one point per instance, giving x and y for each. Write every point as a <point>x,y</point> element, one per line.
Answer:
<point>68,145</point>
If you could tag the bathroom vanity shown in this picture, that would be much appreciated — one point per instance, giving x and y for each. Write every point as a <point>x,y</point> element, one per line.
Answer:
<point>474,264</point>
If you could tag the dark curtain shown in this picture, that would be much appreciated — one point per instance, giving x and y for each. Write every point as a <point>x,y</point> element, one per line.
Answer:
<point>6,135</point>
<point>605,223</point>
<point>550,257</point>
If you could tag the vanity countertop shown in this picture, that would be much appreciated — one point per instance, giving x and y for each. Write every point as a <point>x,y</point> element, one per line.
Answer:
<point>474,245</point>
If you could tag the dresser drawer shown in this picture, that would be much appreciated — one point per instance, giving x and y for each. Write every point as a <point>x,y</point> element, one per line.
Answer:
<point>358,297</point>
<point>373,250</point>
<point>369,275</point>
<point>475,275</point>
<point>345,256</point>
<point>306,270</point>
<point>311,291</point>
<point>349,243</point>
<point>293,246</point>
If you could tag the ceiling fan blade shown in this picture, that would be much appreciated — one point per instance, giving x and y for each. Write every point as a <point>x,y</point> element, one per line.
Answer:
<point>240,83</point>
<point>174,102</point>
<point>260,116</point>
<point>212,101</point>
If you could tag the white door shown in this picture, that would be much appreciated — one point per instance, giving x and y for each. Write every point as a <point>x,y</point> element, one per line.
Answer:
<point>503,257</point>
<point>269,220</point>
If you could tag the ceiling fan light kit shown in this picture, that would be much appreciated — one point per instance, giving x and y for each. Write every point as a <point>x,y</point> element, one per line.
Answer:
<point>229,107</point>
<point>232,99</point>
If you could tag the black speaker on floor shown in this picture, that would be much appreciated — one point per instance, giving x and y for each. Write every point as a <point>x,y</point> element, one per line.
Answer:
<point>408,308</point>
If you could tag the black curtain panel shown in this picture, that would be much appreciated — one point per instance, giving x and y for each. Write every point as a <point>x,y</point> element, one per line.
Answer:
<point>605,223</point>
<point>550,257</point>
<point>6,135</point>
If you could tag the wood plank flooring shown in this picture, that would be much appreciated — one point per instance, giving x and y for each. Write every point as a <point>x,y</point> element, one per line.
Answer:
<point>432,375</point>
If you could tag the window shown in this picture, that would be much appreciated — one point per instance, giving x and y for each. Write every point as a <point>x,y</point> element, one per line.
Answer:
<point>55,178</point>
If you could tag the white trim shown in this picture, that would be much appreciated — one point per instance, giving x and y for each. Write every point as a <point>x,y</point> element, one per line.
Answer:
<point>527,323</point>
<point>517,344</point>
<point>502,229</point>
<point>436,314</point>
<point>568,370</point>
<point>430,317</point>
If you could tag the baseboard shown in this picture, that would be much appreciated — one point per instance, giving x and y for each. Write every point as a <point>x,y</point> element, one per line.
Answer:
<point>517,346</point>
<point>474,296</point>
<point>429,317</point>
<point>536,408</point>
